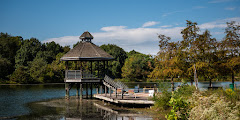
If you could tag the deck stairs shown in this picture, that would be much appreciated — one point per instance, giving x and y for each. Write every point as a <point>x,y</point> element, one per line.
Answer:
<point>109,82</point>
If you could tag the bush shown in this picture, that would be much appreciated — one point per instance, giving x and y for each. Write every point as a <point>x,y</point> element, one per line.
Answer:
<point>162,100</point>
<point>180,109</point>
<point>184,91</point>
<point>212,107</point>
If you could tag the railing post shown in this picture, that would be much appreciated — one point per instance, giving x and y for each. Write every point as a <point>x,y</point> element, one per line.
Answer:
<point>75,74</point>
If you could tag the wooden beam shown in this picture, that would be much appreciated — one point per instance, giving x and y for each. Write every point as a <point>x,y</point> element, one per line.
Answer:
<point>81,91</point>
<point>91,90</point>
<point>86,90</point>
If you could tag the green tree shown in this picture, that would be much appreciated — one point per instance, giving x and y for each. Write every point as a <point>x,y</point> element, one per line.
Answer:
<point>231,44</point>
<point>21,75</point>
<point>167,62</point>
<point>8,48</point>
<point>5,66</point>
<point>119,56</point>
<point>27,52</point>
<point>137,66</point>
<point>37,69</point>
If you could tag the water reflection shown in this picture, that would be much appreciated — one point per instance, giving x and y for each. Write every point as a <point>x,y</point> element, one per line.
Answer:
<point>86,109</point>
<point>94,109</point>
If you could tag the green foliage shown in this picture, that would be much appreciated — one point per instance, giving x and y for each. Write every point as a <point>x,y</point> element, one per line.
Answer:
<point>119,56</point>
<point>180,109</point>
<point>37,69</point>
<point>162,100</point>
<point>9,45</point>
<point>137,66</point>
<point>185,91</point>
<point>5,66</point>
<point>27,52</point>
<point>21,75</point>
<point>8,48</point>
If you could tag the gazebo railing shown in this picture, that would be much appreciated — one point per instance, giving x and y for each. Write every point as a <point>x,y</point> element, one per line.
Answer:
<point>77,74</point>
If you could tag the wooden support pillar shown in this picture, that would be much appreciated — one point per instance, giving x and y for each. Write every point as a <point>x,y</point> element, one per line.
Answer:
<point>104,70</point>
<point>97,89</point>
<point>67,90</point>
<point>91,90</point>
<point>77,94</point>
<point>107,68</point>
<point>86,90</point>
<point>122,93</point>
<point>100,89</point>
<point>110,92</point>
<point>105,90</point>
<point>81,91</point>
<point>116,92</point>
<point>98,69</point>
<point>91,68</point>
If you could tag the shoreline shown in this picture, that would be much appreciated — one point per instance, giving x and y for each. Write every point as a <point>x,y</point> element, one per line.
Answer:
<point>124,82</point>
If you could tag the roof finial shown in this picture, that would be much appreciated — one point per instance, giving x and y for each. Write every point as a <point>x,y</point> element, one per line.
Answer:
<point>86,36</point>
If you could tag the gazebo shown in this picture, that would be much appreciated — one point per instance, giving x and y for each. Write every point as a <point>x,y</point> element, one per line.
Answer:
<point>85,52</point>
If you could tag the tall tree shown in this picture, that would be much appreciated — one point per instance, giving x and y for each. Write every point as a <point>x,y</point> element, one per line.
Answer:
<point>168,62</point>
<point>9,45</point>
<point>27,52</point>
<point>119,56</point>
<point>231,44</point>
<point>137,66</point>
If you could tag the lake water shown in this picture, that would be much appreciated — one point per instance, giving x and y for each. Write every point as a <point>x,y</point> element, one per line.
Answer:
<point>47,102</point>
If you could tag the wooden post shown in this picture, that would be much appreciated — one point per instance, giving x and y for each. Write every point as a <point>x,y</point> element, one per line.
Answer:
<point>107,67</point>
<point>97,89</point>
<point>91,68</point>
<point>77,90</point>
<point>105,91</point>
<point>110,92</point>
<point>91,90</point>
<point>116,92</point>
<point>100,89</point>
<point>86,90</point>
<point>98,69</point>
<point>122,93</point>
<point>67,90</point>
<point>104,70</point>
<point>81,91</point>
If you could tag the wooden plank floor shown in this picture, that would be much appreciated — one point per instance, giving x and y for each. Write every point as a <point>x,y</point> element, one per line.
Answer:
<point>141,98</point>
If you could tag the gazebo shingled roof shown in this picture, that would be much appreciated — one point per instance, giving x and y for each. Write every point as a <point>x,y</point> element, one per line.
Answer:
<point>86,51</point>
<point>86,35</point>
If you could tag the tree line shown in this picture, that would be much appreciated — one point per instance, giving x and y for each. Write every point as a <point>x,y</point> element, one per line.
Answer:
<point>30,61</point>
<point>210,58</point>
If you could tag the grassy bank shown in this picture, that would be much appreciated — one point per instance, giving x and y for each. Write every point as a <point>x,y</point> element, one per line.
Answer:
<point>189,103</point>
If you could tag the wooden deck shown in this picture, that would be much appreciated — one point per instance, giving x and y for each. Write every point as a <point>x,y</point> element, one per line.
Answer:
<point>141,98</point>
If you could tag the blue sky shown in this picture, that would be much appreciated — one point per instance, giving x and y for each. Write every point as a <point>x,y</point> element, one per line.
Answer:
<point>130,24</point>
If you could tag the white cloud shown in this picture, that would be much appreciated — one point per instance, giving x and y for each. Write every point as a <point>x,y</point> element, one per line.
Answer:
<point>230,8</point>
<point>218,23</point>
<point>166,26</point>
<point>141,39</point>
<point>219,1</point>
<point>113,28</point>
<point>150,23</point>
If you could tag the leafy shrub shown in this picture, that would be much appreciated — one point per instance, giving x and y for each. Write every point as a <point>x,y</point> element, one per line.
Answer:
<point>162,100</point>
<point>180,109</point>
<point>184,91</point>
<point>212,108</point>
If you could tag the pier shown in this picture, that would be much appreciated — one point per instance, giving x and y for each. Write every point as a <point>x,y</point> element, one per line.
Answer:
<point>89,69</point>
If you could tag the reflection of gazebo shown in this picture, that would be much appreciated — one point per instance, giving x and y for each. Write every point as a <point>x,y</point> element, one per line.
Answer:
<point>86,52</point>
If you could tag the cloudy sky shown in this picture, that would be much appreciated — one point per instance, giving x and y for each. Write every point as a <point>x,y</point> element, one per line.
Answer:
<point>130,24</point>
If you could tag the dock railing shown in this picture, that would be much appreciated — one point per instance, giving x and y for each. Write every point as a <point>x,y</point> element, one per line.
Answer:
<point>114,84</point>
<point>77,74</point>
